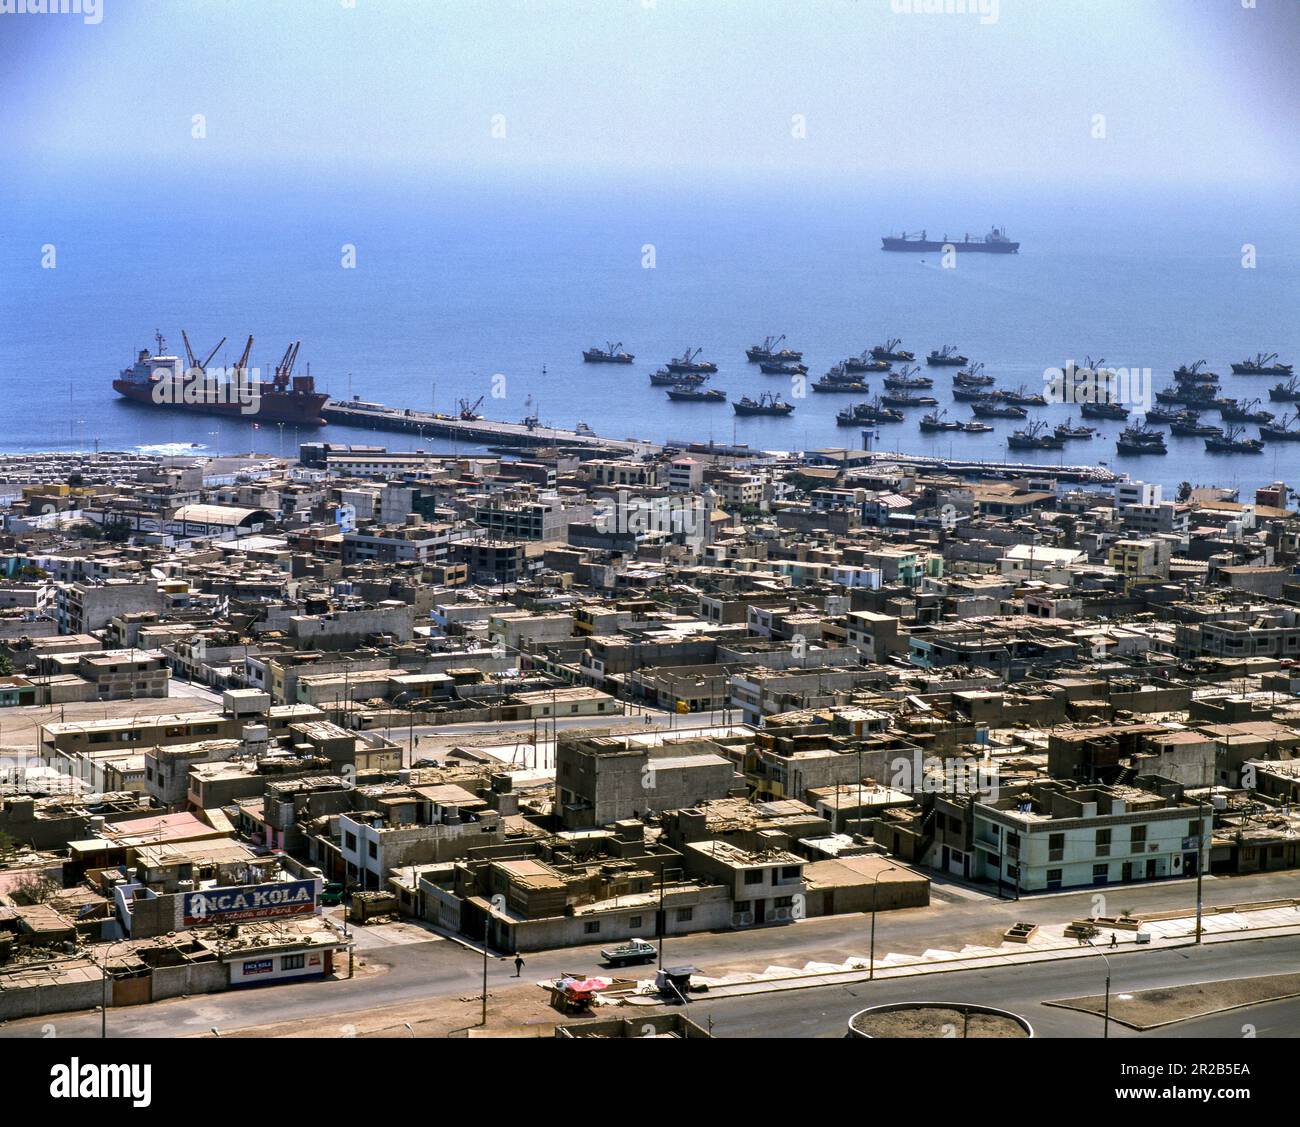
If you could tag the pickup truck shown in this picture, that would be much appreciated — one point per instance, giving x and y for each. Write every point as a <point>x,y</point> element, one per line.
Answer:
<point>633,951</point>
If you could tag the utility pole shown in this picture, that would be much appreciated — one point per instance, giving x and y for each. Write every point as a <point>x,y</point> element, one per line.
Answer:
<point>875,895</point>
<point>1200,861</point>
<point>1105,1020</point>
<point>487,920</point>
<point>663,920</point>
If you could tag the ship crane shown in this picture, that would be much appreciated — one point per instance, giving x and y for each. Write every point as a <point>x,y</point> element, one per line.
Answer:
<point>284,369</point>
<point>194,364</point>
<point>469,411</point>
<point>242,364</point>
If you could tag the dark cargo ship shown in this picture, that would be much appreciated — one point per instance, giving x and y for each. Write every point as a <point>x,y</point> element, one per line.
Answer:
<point>158,380</point>
<point>995,242</point>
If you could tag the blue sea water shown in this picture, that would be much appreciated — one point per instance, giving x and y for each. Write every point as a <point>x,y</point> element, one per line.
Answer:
<point>455,284</point>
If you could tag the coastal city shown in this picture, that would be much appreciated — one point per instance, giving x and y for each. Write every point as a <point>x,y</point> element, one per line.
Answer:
<point>631,520</point>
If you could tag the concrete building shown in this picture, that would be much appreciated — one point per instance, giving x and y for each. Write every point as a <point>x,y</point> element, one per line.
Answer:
<point>606,779</point>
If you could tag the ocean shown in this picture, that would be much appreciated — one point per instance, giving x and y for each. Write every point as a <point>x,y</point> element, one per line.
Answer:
<point>464,290</point>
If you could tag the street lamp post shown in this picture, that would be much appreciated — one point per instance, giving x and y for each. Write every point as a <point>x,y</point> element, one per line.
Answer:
<point>487,921</point>
<point>663,920</point>
<point>871,974</point>
<point>104,980</point>
<point>1200,861</point>
<point>1105,1019</point>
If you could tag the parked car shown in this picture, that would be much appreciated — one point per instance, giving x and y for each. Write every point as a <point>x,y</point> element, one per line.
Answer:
<point>631,952</point>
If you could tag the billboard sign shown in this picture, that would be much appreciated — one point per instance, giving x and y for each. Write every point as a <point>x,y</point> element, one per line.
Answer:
<point>251,902</point>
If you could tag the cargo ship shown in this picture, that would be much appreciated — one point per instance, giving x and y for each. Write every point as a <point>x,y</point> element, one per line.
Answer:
<point>995,242</point>
<point>158,380</point>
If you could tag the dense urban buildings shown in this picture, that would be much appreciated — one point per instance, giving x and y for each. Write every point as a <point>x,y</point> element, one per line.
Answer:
<point>573,697</point>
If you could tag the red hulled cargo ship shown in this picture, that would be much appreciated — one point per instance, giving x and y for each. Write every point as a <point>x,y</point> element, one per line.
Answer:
<point>159,380</point>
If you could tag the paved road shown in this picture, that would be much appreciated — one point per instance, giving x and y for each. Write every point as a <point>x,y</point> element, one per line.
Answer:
<point>823,1011</point>
<point>442,968</point>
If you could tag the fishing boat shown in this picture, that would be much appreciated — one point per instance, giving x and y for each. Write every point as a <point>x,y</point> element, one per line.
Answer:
<point>768,351</point>
<point>1022,398</point>
<point>1140,439</point>
<point>664,378</point>
<point>1167,414</point>
<point>907,399</point>
<point>891,351</point>
<point>1195,373</point>
<point>938,421</point>
<point>975,394</point>
<point>690,362</point>
<point>1287,429</point>
<point>1191,395</point>
<point>993,409</point>
<point>610,354</point>
<point>865,363</point>
<point>782,368</point>
<point>1104,410</point>
<point>1066,431</point>
<point>765,404</point>
<point>974,426</point>
<point>1232,411</point>
<point>909,377</point>
<point>946,357</point>
<point>972,377</point>
<point>1288,392</point>
<point>1261,365</point>
<point>1190,426</point>
<point>1231,442</point>
<point>874,412</point>
<point>1034,437</point>
<point>697,395</point>
<point>840,384</point>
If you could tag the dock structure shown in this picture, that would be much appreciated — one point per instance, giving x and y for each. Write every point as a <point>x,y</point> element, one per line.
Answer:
<point>488,432</point>
<point>1090,475</point>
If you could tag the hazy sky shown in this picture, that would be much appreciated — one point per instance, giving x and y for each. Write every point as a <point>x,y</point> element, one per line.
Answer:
<point>1193,91</point>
